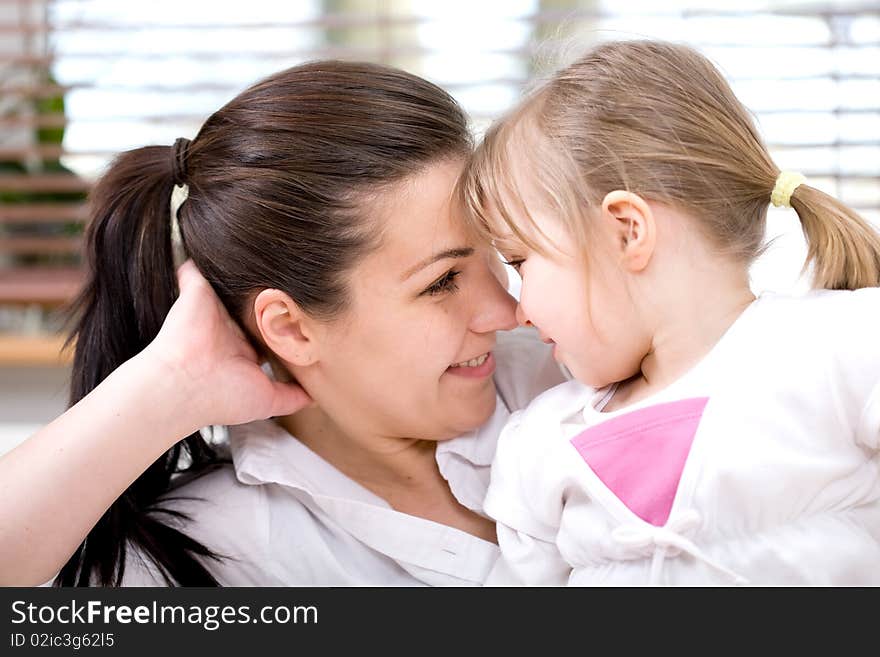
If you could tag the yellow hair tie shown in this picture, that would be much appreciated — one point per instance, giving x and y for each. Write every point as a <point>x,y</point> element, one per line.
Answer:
<point>786,183</point>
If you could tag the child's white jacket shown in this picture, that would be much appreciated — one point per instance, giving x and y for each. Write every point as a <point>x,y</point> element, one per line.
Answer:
<point>780,484</point>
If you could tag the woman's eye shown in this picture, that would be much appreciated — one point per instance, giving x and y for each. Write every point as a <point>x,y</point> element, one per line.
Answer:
<point>515,263</point>
<point>445,283</point>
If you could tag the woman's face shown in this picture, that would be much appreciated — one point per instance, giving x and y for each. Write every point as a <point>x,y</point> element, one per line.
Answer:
<point>412,356</point>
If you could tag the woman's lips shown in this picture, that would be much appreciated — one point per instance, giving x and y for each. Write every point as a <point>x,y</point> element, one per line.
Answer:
<point>481,371</point>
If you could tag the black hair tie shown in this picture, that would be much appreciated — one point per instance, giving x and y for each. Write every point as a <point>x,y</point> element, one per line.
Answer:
<point>179,153</point>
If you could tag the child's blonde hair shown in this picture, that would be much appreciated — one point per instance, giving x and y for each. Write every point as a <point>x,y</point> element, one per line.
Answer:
<point>656,119</point>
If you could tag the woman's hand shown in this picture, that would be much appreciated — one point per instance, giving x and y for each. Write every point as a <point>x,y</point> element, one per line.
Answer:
<point>199,370</point>
<point>211,362</point>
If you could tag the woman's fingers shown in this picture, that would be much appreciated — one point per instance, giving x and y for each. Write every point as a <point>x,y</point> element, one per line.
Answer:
<point>187,273</point>
<point>288,398</point>
<point>201,299</point>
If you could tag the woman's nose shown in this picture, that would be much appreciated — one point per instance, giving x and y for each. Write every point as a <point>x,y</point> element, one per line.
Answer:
<point>495,309</point>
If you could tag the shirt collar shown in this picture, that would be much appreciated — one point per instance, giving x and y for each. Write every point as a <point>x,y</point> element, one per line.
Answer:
<point>264,452</point>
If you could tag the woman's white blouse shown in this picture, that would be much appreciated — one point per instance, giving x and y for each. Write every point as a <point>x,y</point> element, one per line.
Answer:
<point>283,516</point>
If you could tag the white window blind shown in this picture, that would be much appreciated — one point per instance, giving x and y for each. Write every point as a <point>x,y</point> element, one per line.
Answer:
<point>134,73</point>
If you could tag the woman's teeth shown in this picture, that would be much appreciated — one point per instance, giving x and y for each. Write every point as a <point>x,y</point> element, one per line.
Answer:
<point>473,362</point>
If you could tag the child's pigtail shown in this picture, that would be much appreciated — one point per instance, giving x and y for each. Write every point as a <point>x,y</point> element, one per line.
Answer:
<point>842,247</point>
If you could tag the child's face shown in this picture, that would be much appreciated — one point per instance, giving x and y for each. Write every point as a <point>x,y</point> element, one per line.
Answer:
<point>586,311</point>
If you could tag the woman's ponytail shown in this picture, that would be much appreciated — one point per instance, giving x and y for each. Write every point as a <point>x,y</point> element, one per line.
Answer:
<point>842,247</point>
<point>129,289</point>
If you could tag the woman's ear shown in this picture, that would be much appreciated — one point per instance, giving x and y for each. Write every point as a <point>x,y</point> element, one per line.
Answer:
<point>633,227</point>
<point>285,328</point>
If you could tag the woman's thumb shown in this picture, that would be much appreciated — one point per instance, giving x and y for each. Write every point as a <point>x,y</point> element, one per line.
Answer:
<point>288,398</point>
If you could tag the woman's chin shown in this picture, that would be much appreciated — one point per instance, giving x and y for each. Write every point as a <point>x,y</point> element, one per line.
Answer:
<point>474,412</point>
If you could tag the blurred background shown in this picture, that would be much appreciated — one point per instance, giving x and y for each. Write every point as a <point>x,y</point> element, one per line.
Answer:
<point>81,80</point>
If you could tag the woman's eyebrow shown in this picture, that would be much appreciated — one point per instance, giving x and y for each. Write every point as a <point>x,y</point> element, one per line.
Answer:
<point>460,252</point>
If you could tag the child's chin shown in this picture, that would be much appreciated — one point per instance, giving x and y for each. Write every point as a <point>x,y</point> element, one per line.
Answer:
<point>584,375</point>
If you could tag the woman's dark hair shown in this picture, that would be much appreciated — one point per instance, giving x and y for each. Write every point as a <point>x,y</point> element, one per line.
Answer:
<point>278,180</point>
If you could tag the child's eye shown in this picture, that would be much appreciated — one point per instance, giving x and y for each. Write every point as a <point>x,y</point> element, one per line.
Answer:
<point>515,263</point>
<point>445,283</point>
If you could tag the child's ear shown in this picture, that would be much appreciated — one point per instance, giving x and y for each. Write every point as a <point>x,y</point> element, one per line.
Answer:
<point>285,328</point>
<point>633,227</point>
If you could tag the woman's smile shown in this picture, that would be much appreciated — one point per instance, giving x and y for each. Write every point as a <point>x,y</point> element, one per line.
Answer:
<point>475,368</point>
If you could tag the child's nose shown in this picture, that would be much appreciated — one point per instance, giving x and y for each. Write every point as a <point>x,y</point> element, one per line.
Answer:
<point>521,318</point>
